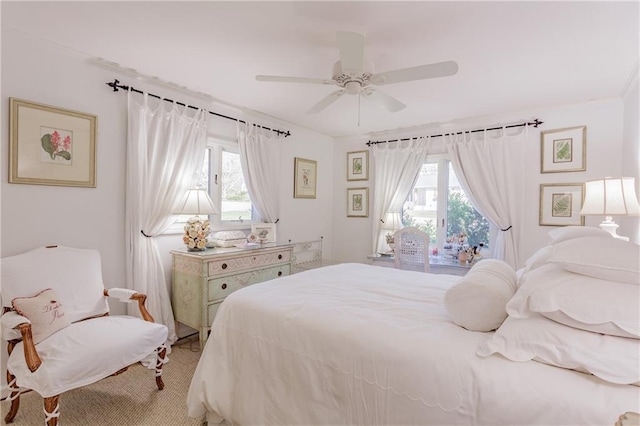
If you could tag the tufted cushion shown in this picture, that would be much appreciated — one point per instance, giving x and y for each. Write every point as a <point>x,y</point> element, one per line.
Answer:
<point>44,311</point>
<point>477,302</point>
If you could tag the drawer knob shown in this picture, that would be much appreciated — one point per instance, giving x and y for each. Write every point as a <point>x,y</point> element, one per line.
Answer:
<point>279,273</point>
<point>279,256</point>
<point>224,266</point>
<point>224,286</point>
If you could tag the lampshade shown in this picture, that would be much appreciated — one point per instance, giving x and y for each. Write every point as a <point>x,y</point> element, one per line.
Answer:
<point>610,197</point>
<point>196,201</point>
<point>392,221</point>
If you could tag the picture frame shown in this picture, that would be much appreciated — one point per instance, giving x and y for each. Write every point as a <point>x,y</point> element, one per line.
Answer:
<point>266,232</point>
<point>358,165</point>
<point>560,204</point>
<point>304,178</point>
<point>357,202</point>
<point>563,150</point>
<point>51,146</point>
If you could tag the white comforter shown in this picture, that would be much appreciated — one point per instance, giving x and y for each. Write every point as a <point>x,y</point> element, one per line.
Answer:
<point>360,344</point>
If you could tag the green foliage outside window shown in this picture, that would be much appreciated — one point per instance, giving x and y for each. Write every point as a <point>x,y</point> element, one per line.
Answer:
<point>429,227</point>
<point>462,217</point>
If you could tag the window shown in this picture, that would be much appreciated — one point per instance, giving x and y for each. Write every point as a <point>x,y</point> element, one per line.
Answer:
<point>438,205</point>
<point>222,176</point>
<point>227,186</point>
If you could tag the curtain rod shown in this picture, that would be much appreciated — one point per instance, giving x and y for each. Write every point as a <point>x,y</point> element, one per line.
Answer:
<point>534,123</point>
<point>116,85</point>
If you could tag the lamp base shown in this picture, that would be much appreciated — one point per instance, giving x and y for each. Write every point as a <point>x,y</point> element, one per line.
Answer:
<point>610,226</point>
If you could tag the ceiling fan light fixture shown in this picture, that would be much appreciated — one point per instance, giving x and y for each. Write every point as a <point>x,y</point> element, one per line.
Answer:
<point>353,87</point>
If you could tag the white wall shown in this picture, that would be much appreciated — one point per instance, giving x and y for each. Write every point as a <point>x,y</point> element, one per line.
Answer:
<point>630,226</point>
<point>352,240</point>
<point>36,215</point>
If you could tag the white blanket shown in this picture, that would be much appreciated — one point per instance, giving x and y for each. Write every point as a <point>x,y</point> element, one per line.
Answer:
<point>360,344</point>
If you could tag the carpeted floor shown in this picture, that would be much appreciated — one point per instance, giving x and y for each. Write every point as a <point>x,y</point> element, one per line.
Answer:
<point>131,398</point>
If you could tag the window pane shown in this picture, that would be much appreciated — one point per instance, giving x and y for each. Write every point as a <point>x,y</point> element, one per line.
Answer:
<point>421,208</point>
<point>462,217</point>
<point>235,202</point>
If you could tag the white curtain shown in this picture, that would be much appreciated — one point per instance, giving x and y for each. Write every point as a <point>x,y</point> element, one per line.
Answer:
<point>490,169</point>
<point>165,151</point>
<point>397,166</point>
<point>260,153</point>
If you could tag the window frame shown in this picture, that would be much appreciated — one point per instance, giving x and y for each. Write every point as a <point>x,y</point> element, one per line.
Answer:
<point>443,161</point>
<point>215,146</point>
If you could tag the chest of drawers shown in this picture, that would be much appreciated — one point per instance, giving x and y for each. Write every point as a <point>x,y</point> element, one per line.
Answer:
<point>202,280</point>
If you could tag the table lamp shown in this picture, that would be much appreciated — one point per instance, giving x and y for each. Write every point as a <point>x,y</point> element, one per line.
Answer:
<point>392,222</point>
<point>196,230</point>
<point>610,197</point>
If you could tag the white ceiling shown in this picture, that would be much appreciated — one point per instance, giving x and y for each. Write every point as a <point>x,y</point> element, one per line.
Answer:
<point>512,56</point>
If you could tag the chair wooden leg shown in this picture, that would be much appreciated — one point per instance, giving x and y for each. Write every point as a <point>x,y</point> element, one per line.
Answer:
<point>162,352</point>
<point>14,397</point>
<point>51,410</point>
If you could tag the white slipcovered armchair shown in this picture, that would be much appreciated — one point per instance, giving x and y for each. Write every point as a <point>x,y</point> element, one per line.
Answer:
<point>59,331</point>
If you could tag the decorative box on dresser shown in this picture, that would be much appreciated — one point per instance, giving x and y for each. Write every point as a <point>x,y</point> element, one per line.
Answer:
<point>202,280</point>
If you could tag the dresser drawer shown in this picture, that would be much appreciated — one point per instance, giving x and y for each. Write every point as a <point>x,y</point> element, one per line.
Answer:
<point>255,260</point>
<point>219,288</point>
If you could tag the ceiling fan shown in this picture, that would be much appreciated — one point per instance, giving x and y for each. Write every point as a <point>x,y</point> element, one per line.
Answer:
<point>355,75</point>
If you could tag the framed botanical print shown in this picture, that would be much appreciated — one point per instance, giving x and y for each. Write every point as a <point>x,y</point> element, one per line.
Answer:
<point>563,150</point>
<point>304,178</point>
<point>560,204</point>
<point>357,202</point>
<point>358,165</point>
<point>50,145</point>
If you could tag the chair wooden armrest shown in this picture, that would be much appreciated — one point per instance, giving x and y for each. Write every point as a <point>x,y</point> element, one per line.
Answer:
<point>12,320</point>
<point>141,298</point>
<point>31,356</point>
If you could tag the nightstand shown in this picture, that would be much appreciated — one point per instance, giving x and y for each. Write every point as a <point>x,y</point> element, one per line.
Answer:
<point>202,280</point>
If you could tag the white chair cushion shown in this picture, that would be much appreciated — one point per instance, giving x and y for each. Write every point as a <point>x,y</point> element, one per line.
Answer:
<point>85,352</point>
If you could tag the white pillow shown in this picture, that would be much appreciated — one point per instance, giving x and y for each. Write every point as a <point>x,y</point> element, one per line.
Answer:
<point>570,232</point>
<point>611,358</point>
<point>579,301</point>
<point>605,258</point>
<point>45,312</point>
<point>477,302</point>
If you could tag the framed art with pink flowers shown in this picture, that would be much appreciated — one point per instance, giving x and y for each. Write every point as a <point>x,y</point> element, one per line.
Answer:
<point>51,146</point>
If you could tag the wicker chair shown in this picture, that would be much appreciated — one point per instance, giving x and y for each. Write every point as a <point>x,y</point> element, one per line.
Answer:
<point>411,250</point>
<point>63,285</point>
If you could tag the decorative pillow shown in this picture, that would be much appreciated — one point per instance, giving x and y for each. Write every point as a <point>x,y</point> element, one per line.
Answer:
<point>599,257</point>
<point>228,238</point>
<point>45,312</point>
<point>611,358</point>
<point>477,302</point>
<point>579,301</point>
<point>570,232</point>
<point>538,258</point>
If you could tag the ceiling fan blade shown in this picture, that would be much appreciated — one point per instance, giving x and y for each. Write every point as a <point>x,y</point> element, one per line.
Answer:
<point>387,101</point>
<point>421,72</point>
<point>283,79</point>
<point>326,101</point>
<point>351,47</point>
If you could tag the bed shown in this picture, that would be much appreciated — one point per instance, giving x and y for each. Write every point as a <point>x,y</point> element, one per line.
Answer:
<point>362,344</point>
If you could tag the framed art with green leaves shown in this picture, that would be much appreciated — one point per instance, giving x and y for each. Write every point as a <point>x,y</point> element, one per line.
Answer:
<point>560,204</point>
<point>51,146</point>
<point>358,165</point>
<point>563,150</point>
